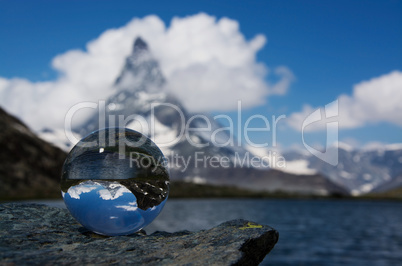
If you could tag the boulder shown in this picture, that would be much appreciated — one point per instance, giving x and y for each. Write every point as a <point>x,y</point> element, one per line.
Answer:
<point>38,234</point>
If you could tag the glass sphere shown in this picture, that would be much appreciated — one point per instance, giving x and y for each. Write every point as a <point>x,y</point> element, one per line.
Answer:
<point>115,181</point>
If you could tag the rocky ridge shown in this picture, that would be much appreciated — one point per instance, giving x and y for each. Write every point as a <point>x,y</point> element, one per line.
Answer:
<point>29,166</point>
<point>41,235</point>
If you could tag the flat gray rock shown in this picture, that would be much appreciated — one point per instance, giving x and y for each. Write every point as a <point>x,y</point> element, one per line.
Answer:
<point>42,235</point>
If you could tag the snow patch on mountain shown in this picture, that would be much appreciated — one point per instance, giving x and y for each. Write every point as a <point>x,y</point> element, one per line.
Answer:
<point>345,146</point>
<point>298,167</point>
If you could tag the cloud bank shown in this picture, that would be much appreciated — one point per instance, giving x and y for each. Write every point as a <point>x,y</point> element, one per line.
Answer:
<point>208,64</point>
<point>372,101</point>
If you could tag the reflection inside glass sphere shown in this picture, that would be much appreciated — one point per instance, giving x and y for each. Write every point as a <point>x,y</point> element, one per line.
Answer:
<point>115,181</point>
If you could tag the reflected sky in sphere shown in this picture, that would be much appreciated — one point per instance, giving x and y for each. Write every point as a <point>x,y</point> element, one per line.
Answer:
<point>108,208</point>
<point>108,188</point>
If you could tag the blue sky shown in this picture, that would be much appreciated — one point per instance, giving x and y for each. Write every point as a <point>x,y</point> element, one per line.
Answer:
<point>329,46</point>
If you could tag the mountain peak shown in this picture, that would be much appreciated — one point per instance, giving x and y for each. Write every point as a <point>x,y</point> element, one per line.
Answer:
<point>141,71</point>
<point>139,45</point>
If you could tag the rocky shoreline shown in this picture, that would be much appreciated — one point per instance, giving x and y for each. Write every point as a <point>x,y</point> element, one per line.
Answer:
<point>38,234</point>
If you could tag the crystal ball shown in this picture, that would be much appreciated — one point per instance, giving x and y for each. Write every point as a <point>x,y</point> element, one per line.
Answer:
<point>115,181</point>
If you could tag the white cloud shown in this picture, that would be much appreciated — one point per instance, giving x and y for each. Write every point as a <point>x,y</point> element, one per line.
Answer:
<point>372,101</point>
<point>132,206</point>
<point>209,65</point>
<point>76,191</point>
<point>283,84</point>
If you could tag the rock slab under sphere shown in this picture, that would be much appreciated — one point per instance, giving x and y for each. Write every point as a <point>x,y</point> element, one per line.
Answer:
<point>38,234</point>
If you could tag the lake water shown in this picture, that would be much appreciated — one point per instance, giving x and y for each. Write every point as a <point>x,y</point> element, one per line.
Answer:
<point>311,232</point>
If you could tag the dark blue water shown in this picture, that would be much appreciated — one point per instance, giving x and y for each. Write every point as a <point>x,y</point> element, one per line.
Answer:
<point>311,232</point>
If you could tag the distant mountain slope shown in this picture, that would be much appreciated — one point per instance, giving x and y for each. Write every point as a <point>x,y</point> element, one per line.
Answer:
<point>361,171</point>
<point>395,193</point>
<point>395,183</point>
<point>29,166</point>
<point>270,181</point>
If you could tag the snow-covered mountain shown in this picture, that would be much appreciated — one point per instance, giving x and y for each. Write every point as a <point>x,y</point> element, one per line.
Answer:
<point>359,170</point>
<point>141,101</point>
